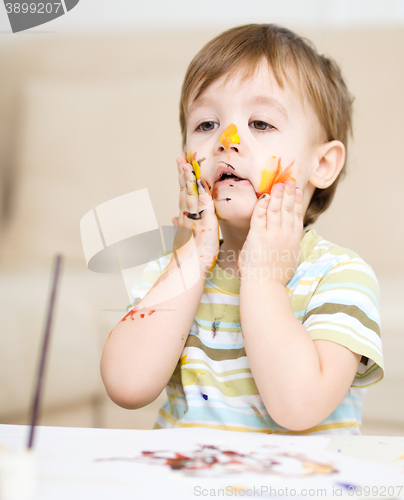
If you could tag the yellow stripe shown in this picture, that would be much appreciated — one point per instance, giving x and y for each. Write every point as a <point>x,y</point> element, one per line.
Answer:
<point>217,291</point>
<point>226,373</point>
<point>319,428</point>
<point>176,423</point>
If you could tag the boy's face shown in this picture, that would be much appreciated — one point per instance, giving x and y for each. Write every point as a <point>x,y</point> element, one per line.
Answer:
<point>273,130</point>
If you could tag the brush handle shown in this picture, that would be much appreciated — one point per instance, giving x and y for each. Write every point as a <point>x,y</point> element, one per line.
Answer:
<point>40,376</point>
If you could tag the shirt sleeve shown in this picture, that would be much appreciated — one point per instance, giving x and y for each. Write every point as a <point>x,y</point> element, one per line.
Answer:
<point>345,309</point>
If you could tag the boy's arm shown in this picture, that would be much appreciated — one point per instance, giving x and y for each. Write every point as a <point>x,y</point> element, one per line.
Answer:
<point>301,381</point>
<point>143,350</point>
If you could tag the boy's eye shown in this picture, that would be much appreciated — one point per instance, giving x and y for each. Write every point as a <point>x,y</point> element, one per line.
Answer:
<point>260,125</point>
<point>207,126</point>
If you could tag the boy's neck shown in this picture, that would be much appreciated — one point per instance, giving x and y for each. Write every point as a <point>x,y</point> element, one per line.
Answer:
<point>233,241</point>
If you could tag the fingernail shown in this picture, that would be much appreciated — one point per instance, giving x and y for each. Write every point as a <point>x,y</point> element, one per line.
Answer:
<point>201,183</point>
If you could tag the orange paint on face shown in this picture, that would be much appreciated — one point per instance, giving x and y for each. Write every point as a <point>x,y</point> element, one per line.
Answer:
<point>230,136</point>
<point>270,177</point>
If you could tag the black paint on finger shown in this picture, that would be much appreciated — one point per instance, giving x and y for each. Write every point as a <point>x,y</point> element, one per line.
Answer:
<point>193,216</point>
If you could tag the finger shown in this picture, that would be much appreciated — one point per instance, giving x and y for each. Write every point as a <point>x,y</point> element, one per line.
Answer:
<point>182,182</point>
<point>192,195</point>
<point>206,205</point>
<point>288,204</point>
<point>259,216</point>
<point>275,204</point>
<point>298,215</point>
<point>174,220</point>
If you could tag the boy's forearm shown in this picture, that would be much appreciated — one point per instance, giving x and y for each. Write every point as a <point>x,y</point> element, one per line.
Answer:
<point>282,356</point>
<point>143,349</point>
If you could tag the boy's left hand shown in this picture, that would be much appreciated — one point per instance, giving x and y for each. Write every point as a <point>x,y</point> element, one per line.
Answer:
<point>272,248</point>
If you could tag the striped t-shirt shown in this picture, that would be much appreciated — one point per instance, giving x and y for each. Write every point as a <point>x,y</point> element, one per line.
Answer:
<point>333,293</point>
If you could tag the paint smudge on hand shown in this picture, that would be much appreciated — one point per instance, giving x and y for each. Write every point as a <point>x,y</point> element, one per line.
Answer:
<point>271,176</point>
<point>230,136</point>
<point>191,159</point>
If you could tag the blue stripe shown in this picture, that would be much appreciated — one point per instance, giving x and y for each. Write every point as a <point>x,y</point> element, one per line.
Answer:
<point>221,401</point>
<point>223,324</point>
<point>351,285</point>
<point>218,415</point>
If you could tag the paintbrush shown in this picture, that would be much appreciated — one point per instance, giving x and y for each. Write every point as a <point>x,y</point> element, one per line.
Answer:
<point>41,369</point>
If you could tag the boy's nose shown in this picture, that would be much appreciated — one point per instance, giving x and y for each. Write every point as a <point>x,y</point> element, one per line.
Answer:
<point>230,139</point>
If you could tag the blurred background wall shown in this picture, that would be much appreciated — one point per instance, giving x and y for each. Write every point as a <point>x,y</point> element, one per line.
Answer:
<point>89,112</point>
<point>96,15</point>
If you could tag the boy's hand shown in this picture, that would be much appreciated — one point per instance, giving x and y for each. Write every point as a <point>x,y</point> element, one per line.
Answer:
<point>272,248</point>
<point>197,213</point>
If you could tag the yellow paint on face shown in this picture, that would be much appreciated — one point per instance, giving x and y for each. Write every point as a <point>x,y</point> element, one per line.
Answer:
<point>230,136</point>
<point>270,175</point>
<point>191,159</point>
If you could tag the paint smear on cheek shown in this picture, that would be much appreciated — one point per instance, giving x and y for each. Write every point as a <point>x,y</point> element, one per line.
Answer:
<point>270,175</point>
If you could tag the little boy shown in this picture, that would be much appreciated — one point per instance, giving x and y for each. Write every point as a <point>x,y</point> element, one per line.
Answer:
<point>279,331</point>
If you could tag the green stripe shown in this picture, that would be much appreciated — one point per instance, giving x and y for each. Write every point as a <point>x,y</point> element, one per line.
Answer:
<point>226,313</point>
<point>353,311</point>
<point>226,373</point>
<point>215,354</point>
<point>230,388</point>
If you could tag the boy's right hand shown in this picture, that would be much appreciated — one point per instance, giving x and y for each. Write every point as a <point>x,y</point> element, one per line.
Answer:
<point>196,200</point>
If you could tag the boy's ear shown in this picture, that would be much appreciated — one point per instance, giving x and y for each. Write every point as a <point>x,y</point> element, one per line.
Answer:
<point>330,162</point>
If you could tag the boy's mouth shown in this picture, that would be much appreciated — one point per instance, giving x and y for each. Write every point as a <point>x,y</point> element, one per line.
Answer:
<point>226,174</point>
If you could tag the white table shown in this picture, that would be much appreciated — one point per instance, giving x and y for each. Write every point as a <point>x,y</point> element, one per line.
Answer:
<point>78,463</point>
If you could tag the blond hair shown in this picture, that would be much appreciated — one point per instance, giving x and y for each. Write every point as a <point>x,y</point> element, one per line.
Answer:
<point>292,59</point>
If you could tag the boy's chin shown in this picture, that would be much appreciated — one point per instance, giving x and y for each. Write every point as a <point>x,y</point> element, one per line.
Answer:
<point>236,214</point>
